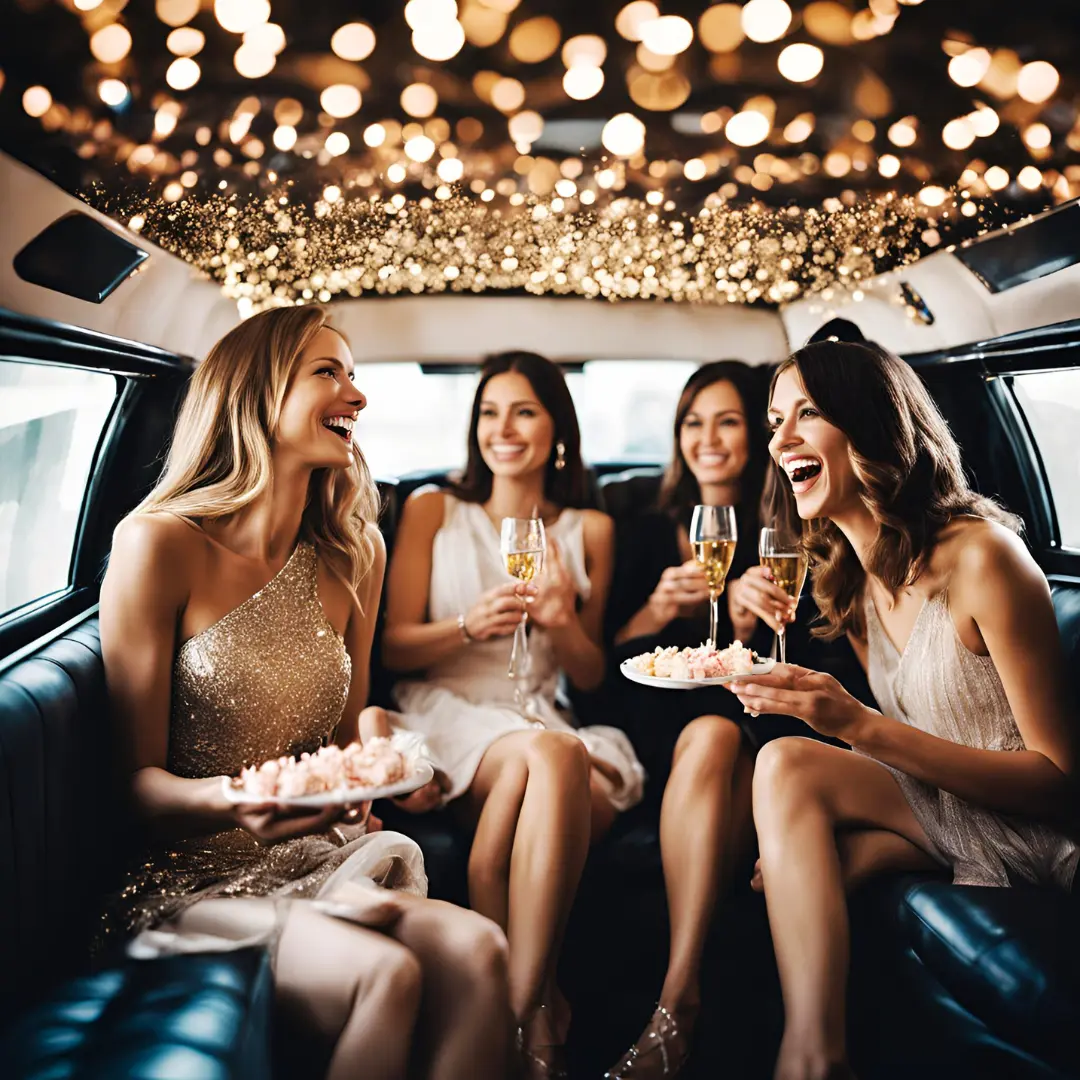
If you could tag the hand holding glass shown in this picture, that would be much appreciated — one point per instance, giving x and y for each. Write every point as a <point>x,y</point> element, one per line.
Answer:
<point>713,536</point>
<point>781,555</point>
<point>522,544</point>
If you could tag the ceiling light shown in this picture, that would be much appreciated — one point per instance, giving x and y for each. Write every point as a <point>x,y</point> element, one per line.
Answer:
<point>623,135</point>
<point>284,137</point>
<point>340,100</point>
<point>337,143</point>
<point>239,16</point>
<point>419,148</point>
<point>353,41</point>
<point>185,41</point>
<point>374,135</point>
<point>720,28</point>
<point>1037,81</point>
<point>969,68</point>
<point>111,43</point>
<point>747,128</point>
<point>766,20</point>
<point>800,63</point>
<point>113,92</point>
<point>628,21</point>
<point>583,82</point>
<point>253,63</point>
<point>440,41</point>
<point>588,50</point>
<point>183,74</point>
<point>667,35</point>
<point>958,134</point>
<point>419,99</point>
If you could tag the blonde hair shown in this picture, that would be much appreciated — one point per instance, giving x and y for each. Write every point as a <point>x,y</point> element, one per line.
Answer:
<point>220,459</point>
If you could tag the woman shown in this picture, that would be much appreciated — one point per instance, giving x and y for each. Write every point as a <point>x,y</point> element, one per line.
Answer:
<point>692,741</point>
<point>236,619</point>
<point>525,780</point>
<point>970,763</point>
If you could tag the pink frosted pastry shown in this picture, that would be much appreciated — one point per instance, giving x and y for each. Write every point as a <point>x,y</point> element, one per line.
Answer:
<point>704,662</point>
<point>376,764</point>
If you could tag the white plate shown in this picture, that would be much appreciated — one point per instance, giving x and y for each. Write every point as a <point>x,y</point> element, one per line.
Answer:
<point>420,775</point>
<point>664,683</point>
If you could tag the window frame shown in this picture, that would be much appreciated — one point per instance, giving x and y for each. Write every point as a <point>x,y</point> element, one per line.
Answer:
<point>999,361</point>
<point>140,370</point>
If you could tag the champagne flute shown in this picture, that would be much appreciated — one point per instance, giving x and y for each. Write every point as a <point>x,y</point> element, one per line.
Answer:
<point>780,553</point>
<point>712,538</point>
<point>522,544</point>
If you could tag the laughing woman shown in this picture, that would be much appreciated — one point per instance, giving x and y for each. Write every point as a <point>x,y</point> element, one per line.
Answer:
<point>520,775</point>
<point>237,616</point>
<point>971,762</point>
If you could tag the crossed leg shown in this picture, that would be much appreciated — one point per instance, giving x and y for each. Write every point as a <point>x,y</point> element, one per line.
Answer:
<point>804,792</point>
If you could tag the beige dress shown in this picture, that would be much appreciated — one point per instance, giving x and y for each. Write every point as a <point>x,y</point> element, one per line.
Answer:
<point>269,678</point>
<point>464,703</point>
<point>939,686</point>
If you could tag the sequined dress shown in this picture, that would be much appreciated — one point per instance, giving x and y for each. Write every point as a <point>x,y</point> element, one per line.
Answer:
<point>269,678</point>
<point>939,686</point>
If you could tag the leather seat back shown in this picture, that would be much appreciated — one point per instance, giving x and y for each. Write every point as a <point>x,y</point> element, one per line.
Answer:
<point>1066,596</point>
<point>60,829</point>
<point>631,492</point>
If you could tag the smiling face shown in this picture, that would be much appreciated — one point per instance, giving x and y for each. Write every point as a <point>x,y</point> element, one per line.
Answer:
<point>321,405</point>
<point>514,431</point>
<point>713,437</point>
<point>813,454</point>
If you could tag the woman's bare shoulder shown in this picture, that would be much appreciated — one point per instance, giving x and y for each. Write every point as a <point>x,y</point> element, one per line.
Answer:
<point>597,525</point>
<point>978,555</point>
<point>156,550</point>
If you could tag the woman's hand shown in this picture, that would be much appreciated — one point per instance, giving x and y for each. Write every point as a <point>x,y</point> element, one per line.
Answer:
<point>680,590</point>
<point>756,596</point>
<point>809,695</point>
<point>556,595</point>
<point>270,823</point>
<point>498,611</point>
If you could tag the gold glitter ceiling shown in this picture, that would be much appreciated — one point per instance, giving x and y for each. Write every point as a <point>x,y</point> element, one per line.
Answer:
<point>728,152</point>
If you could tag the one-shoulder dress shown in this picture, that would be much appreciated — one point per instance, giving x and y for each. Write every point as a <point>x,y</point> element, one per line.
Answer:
<point>269,678</point>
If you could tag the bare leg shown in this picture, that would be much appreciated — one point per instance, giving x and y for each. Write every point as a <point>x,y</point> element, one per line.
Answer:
<point>804,791</point>
<point>547,845</point>
<point>710,790</point>
<point>865,853</point>
<point>710,786</point>
<point>465,1011</point>
<point>354,989</point>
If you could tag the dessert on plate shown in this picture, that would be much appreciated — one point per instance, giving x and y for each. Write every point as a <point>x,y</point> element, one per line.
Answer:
<point>375,764</point>
<point>703,662</point>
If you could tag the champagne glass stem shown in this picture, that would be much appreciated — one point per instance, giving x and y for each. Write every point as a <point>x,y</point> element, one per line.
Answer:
<point>783,645</point>
<point>714,615</point>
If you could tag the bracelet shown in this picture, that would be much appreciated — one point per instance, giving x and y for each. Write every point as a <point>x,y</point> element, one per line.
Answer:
<point>465,635</point>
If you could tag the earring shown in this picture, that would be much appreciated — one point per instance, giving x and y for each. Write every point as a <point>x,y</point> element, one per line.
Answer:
<point>560,455</point>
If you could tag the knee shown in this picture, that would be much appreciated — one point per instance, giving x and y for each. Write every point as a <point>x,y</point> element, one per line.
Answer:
<point>784,775</point>
<point>709,741</point>
<point>480,953</point>
<point>561,752</point>
<point>397,976</point>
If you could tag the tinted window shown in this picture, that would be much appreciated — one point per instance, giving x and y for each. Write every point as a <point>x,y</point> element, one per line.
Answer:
<point>420,421</point>
<point>51,420</point>
<point>1051,402</point>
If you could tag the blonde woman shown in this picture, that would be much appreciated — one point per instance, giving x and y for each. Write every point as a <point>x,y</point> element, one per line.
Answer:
<point>237,617</point>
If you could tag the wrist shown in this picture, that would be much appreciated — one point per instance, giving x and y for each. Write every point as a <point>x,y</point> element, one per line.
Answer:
<point>862,729</point>
<point>463,629</point>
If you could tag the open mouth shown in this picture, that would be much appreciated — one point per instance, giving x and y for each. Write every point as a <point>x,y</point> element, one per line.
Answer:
<point>504,452</point>
<point>342,426</point>
<point>802,472</point>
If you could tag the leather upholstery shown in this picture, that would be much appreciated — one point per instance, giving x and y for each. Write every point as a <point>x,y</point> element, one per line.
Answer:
<point>181,1018</point>
<point>631,491</point>
<point>63,839</point>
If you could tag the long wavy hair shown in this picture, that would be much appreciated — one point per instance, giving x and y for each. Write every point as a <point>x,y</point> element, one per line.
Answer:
<point>908,465</point>
<point>679,490</point>
<point>220,457</point>
<point>566,486</point>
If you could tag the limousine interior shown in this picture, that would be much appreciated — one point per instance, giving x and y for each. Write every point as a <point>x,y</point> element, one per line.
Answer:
<point>119,268</point>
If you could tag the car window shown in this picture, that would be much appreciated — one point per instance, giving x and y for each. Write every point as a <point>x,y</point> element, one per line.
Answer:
<point>1051,402</point>
<point>51,420</point>
<point>420,421</point>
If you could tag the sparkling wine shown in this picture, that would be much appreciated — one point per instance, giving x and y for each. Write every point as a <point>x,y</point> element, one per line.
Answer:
<point>525,565</point>
<point>788,571</point>
<point>715,558</point>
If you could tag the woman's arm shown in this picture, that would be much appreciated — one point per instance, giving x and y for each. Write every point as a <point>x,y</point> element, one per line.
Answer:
<point>410,642</point>
<point>142,597</point>
<point>359,633</point>
<point>999,589</point>
<point>577,638</point>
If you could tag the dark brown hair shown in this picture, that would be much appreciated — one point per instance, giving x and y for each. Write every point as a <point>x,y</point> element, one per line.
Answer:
<point>679,491</point>
<point>908,465</point>
<point>563,487</point>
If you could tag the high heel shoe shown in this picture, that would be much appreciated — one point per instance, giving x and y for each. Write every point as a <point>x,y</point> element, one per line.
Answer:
<point>553,1065</point>
<point>662,1051</point>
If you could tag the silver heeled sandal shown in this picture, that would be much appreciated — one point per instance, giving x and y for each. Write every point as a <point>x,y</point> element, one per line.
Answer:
<point>664,1040</point>
<point>556,1068</point>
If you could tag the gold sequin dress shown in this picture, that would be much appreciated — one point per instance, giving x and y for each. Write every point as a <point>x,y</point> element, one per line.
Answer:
<point>938,685</point>
<point>269,678</point>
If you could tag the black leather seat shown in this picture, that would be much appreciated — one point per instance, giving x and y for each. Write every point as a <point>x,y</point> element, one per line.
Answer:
<point>63,840</point>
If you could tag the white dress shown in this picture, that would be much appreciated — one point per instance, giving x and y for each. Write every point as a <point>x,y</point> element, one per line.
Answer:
<point>463,704</point>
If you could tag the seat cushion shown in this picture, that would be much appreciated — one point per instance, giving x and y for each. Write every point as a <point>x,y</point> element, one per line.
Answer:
<point>200,1017</point>
<point>1010,956</point>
